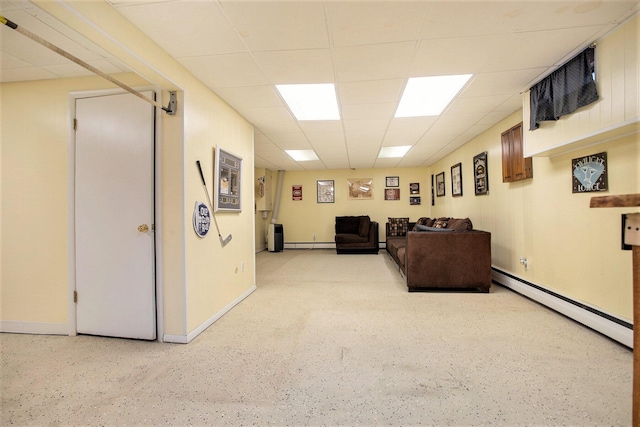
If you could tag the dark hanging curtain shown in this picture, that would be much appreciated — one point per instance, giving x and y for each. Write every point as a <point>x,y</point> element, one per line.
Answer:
<point>565,90</point>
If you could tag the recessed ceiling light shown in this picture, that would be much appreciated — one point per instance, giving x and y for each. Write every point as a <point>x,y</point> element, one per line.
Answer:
<point>311,101</point>
<point>302,155</point>
<point>393,152</point>
<point>428,96</point>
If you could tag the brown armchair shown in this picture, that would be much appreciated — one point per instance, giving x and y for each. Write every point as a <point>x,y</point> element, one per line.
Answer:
<point>356,235</point>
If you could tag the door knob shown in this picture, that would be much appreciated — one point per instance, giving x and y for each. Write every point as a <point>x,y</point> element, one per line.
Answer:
<point>143,228</point>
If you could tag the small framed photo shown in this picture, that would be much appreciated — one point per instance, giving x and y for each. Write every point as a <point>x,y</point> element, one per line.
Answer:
<point>414,188</point>
<point>393,181</point>
<point>414,200</point>
<point>440,184</point>
<point>326,191</point>
<point>456,180</point>
<point>480,174</point>
<point>392,194</point>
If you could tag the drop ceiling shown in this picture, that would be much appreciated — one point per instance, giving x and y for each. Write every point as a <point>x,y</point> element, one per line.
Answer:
<point>368,49</point>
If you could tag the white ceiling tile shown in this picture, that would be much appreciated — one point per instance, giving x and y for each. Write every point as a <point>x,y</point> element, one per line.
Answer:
<point>373,62</point>
<point>384,22</point>
<point>250,96</point>
<point>216,71</point>
<point>296,66</point>
<point>321,126</point>
<point>281,25</point>
<point>371,92</point>
<point>367,111</point>
<point>172,25</point>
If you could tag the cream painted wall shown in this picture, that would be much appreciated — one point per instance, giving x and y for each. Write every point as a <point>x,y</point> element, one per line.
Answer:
<point>572,249</point>
<point>198,276</point>
<point>301,219</point>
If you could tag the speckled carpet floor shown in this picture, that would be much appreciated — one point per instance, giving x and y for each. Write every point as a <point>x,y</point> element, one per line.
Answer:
<point>332,339</point>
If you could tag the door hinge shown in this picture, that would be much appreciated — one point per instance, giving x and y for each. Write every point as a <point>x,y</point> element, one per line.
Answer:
<point>75,124</point>
<point>75,296</point>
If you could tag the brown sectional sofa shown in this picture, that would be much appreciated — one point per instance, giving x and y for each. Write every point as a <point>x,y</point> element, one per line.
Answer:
<point>443,253</point>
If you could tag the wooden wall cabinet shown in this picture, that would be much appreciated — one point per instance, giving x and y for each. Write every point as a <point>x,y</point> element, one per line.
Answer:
<point>515,167</point>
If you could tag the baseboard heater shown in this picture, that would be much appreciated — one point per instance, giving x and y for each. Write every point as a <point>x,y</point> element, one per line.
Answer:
<point>611,326</point>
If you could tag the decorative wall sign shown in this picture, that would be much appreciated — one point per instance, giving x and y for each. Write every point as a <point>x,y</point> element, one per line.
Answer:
<point>393,181</point>
<point>360,188</point>
<point>414,200</point>
<point>414,188</point>
<point>296,192</point>
<point>433,199</point>
<point>392,194</point>
<point>201,219</point>
<point>456,180</point>
<point>480,174</point>
<point>590,173</point>
<point>440,184</point>
<point>326,191</point>
<point>227,180</point>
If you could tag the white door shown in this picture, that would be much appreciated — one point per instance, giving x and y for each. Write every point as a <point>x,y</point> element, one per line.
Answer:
<point>114,215</point>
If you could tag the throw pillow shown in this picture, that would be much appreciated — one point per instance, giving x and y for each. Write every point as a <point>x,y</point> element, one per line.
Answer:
<point>398,226</point>
<point>440,224</point>
<point>460,224</point>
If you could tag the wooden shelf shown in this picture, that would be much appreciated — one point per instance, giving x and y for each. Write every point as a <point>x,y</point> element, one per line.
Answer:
<point>622,201</point>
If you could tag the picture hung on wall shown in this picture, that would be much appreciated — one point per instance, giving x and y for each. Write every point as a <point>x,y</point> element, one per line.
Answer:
<point>589,173</point>
<point>201,219</point>
<point>456,180</point>
<point>414,200</point>
<point>440,184</point>
<point>414,188</point>
<point>392,194</point>
<point>393,181</point>
<point>296,192</point>
<point>360,188</point>
<point>227,178</point>
<point>480,174</point>
<point>433,199</point>
<point>326,191</point>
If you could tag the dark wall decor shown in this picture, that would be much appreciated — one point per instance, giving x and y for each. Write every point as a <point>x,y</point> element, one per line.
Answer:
<point>414,188</point>
<point>481,174</point>
<point>414,200</point>
<point>227,179</point>
<point>393,181</point>
<point>440,184</point>
<point>392,194</point>
<point>456,180</point>
<point>589,173</point>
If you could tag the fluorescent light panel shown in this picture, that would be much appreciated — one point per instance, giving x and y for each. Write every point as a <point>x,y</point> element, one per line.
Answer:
<point>302,155</point>
<point>311,101</point>
<point>428,96</point>
<point>393,152</point>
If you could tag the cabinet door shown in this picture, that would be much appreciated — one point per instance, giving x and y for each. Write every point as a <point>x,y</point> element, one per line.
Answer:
<point>514,166</point>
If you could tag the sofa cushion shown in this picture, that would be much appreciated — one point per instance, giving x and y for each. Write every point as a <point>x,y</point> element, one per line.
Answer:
<point>348,225</point>
<point>460,224</point>
<point>440,223</point>
<point>398,226</point>
<point>350,238</point>
<point>364,226</point>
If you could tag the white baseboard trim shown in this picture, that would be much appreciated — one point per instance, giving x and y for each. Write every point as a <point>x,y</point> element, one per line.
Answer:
<point>318,245</point>
<point>607,324</point>
<point>37,328</point>
<point>185,339</point>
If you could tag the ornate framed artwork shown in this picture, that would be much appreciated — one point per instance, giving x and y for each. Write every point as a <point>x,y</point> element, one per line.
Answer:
<point>414,200</point>
<point>456,180</point>
<point>393,181</point>
<point>589,173</point>
<point>326,191</point>
<point>392,194</point>
<point>227,179</point>
<point>440,184</point>
<point>360,188</point>
<point>481,174</point>
<point>414,188</point>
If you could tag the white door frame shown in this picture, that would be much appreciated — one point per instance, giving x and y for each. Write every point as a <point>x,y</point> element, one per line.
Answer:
<point>71,159</point>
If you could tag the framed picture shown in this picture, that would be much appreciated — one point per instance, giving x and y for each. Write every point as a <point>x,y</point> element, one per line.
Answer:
<point>456,180</point>
<point>414,200</point>
<point>360,188</point>
<point>393,181</point>
<point>296,192</point>
<point>392,194</point>
<point>227,178</point>
<point>481,174</point>
<point>326,191</point>
<point>589,173</point>
<point>440,184</point>
<point>414,188</point>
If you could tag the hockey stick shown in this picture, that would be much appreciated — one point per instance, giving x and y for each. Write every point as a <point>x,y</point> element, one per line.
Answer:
<point>204,185</point>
